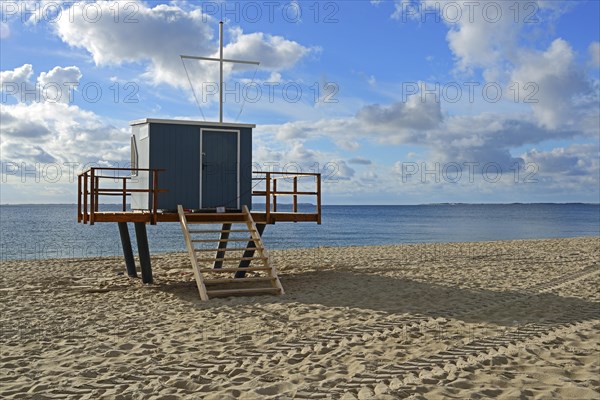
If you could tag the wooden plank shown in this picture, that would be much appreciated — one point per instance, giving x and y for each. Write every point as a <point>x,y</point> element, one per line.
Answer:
<point>295,206</point>
<point>219,231</point>
<point>96,195</point>
<point>101,193</point>
<point>224,215</point>
<point>237,280</point>
<point>122,169</point>
<point>96,201</point>
<point>113,177</point>
<point>274,195</point>
<point>79,214</point>
<point>263,252</point>
<point>92,207</point>
<point>78,198</point>
<point>120,191</point>
<point>319,199</point>
<point>230,259</point>
<point>124,195</point>
<point>192,254</point>
<point>219,240</point>
<point>123,217</point>
<point>224,270</point>
<point>284,217</point>
<point>285,193</point>
<point>85,198</point>
<point>259,217</point>
<point>268,195</point>
<point>226,249</point>
<point>287,175</point>
<point>241,292</point>
<point>212,221</point>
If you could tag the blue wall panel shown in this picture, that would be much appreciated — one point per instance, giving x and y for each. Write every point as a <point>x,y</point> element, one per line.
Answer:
<point>175,147</point>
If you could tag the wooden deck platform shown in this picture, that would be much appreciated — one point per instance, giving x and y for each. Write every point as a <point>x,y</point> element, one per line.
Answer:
<point>94,183</point>
<point>260,217</point>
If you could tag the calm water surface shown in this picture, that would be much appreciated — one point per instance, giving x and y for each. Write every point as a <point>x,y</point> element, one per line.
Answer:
<point>51,231</point>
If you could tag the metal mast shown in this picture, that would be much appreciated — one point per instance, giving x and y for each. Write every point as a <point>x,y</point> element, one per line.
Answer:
<point>221,72</point>
<point>221,61</point>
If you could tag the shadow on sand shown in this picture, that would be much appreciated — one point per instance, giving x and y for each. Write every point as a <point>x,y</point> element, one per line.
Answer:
<point>401,296</point>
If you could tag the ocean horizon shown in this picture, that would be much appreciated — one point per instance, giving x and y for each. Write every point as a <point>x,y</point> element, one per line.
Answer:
<point>338,205</point>
<point>42,231</point>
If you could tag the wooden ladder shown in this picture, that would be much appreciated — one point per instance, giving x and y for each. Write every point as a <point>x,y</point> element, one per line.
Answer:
<point>210,280</point>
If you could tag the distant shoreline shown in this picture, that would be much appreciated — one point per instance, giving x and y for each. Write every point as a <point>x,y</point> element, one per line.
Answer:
<point>117,256</point>
<point>341,205</point>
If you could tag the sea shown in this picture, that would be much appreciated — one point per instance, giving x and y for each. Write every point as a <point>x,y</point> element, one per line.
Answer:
<point>30,232</point>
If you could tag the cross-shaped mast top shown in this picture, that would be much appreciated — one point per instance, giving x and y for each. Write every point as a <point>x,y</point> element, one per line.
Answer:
<point>221,60</point>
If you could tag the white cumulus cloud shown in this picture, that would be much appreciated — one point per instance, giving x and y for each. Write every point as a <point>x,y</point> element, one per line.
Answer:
<point>56,85</point>
<point>158,35</point>
<point>554,79</point>
<point>43,128</point>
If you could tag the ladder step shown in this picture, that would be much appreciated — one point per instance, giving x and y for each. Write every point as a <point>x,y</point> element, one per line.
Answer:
<point>233,292</point>
<point>237,280</point>
<point>217,222</point>
<point>224,270</point>
<point>230,249</point>
<point>223,240</point>
<point>222,231</point>
<point>215,219</point>
<point>224,215</point>
<point>231,259</point>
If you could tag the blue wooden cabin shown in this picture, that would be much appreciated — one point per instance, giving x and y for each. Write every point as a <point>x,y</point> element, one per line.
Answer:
<point>206,164</point>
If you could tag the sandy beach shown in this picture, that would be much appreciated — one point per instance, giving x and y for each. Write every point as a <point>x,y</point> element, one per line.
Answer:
<point>506,320</point>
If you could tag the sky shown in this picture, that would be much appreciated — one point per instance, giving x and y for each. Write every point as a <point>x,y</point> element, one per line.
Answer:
<point>394,102</point>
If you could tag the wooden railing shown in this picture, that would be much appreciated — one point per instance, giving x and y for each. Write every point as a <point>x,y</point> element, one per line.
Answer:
<point>89,191</point>
<point>271,191</point>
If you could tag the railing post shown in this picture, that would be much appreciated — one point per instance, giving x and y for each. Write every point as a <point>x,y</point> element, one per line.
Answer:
<point>295,195</point>
<point>124,194</point>
<point>319,199</point>
<point>268,195</point>
<point>92,197</point>
<point>96,194</point>
<point>274,194</point>
<point>85,197</point>
<point>154,196</point>
<point>79,216</point>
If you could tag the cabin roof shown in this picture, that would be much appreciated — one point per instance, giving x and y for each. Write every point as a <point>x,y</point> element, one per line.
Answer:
<point>188,122</point>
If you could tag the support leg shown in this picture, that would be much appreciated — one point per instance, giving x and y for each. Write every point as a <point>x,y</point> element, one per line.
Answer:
<point>222,245</point>
<point>127,251</point>
<point>249,253</point>
<point>144,251</point>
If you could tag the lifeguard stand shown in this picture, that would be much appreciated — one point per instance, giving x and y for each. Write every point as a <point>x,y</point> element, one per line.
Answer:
<point>198,172</point>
